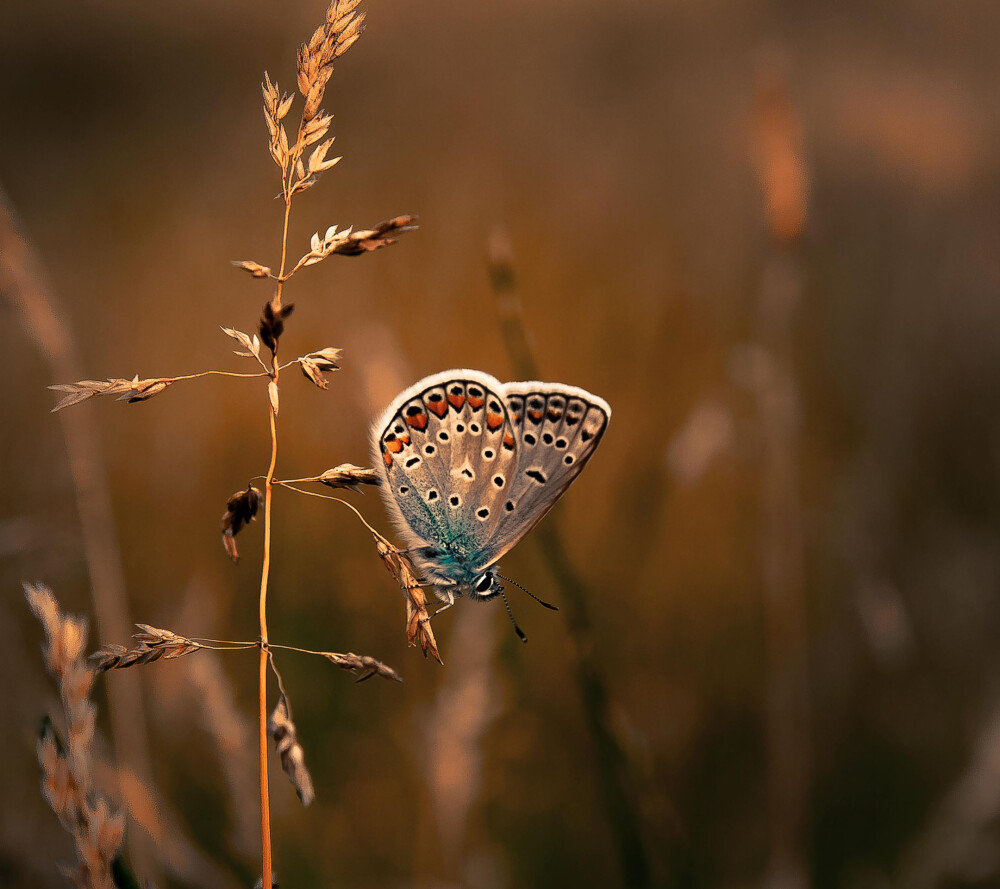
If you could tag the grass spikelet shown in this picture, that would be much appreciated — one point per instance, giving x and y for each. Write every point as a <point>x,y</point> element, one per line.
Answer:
<point>67,766</point>
<point>154,644</point>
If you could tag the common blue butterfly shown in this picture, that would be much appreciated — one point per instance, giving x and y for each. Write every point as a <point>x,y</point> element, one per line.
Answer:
<point>469,465</point>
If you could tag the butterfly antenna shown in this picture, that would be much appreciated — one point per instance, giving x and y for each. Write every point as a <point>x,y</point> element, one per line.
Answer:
<point>510,614</point>
<point>533,596</point>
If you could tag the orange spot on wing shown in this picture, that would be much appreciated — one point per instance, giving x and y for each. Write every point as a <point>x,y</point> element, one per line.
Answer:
<point>535,415</point>
<point>404,438</point>
<point>476,403</point>
<point>418,421</point>
<point>395,446</point>
<point>456,401</point>
<point>555,415</point>
<point>508,441</point>
<point>439,407</point>
<point>494,421</point>
<point>388,459</point>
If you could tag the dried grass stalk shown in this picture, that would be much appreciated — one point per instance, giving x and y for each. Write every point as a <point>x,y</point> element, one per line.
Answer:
<point>281,727</point>
<point>127,390</point>
<point>347,475</point>
<point>361,665</point>
<point>338,33</point>
<point>154,644</point>
<point>349,242</point>
<point>67,768</point>
<point>418,620</point>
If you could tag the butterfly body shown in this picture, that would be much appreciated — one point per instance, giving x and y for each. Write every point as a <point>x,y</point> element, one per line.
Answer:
<point>469,465</point>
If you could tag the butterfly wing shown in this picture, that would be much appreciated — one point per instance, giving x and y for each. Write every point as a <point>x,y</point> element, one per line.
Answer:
<point>443,446</point>
<point>556,429</point>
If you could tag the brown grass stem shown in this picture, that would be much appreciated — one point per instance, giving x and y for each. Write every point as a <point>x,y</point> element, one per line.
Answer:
<point>265,813</point>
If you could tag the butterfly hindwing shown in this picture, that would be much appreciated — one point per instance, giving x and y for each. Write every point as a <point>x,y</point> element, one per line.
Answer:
<point>556,430</point>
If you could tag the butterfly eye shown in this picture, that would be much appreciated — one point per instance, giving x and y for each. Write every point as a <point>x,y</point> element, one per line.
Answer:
<point>483,514</point>
<point>429,449</point>
<point>568,460</point>
<point>484,583</point>
<point>509,506</point>
<point>488,454</point>
<point>547,438</point>
<point>560,443</point>
<point>443,436</point>
<point>404,490</point>
<point>529,438</point>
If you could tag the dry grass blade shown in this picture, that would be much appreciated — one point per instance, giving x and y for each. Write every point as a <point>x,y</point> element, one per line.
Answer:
<point>67,769</point>
<point>241,509</point>
<point>127,390</point>
<point>361,665</point>
<point>418,620</point>
<point>281,727</point>
<point>154,644</point>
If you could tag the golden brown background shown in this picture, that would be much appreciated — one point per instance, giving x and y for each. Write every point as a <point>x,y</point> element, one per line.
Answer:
<point>788,538</point>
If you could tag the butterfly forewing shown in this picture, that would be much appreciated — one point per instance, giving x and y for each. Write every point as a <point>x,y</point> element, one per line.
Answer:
<point>456,440</point>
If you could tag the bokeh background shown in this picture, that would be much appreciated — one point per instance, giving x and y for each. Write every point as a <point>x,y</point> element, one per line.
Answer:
<point>767,233</point>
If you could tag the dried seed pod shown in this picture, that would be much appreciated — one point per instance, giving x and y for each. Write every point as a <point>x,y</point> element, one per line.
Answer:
<point>255,268</point>
<point>418,621</point>
<point>347,475</point>
<point>154,644</point>
<point>315,364</point>
<point>281,727</point>
<point>240,509</point>
<point>272,323</point>
<point>361,665</point>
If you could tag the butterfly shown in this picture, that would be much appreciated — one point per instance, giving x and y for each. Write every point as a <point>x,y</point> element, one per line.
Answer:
<point>469,465</point>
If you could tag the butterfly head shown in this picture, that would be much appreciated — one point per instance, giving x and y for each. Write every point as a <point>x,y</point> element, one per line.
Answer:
<point>485,586</point>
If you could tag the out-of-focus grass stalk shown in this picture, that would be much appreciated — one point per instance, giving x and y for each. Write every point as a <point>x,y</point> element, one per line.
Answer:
<point>24,286</point>
<point>778,155</point>
<point>614,778</point>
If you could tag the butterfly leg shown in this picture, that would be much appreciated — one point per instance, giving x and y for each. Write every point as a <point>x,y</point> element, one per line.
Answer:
<point>448,602</point>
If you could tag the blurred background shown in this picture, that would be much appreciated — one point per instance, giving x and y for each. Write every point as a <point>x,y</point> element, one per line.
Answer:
<point>765,232</point>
